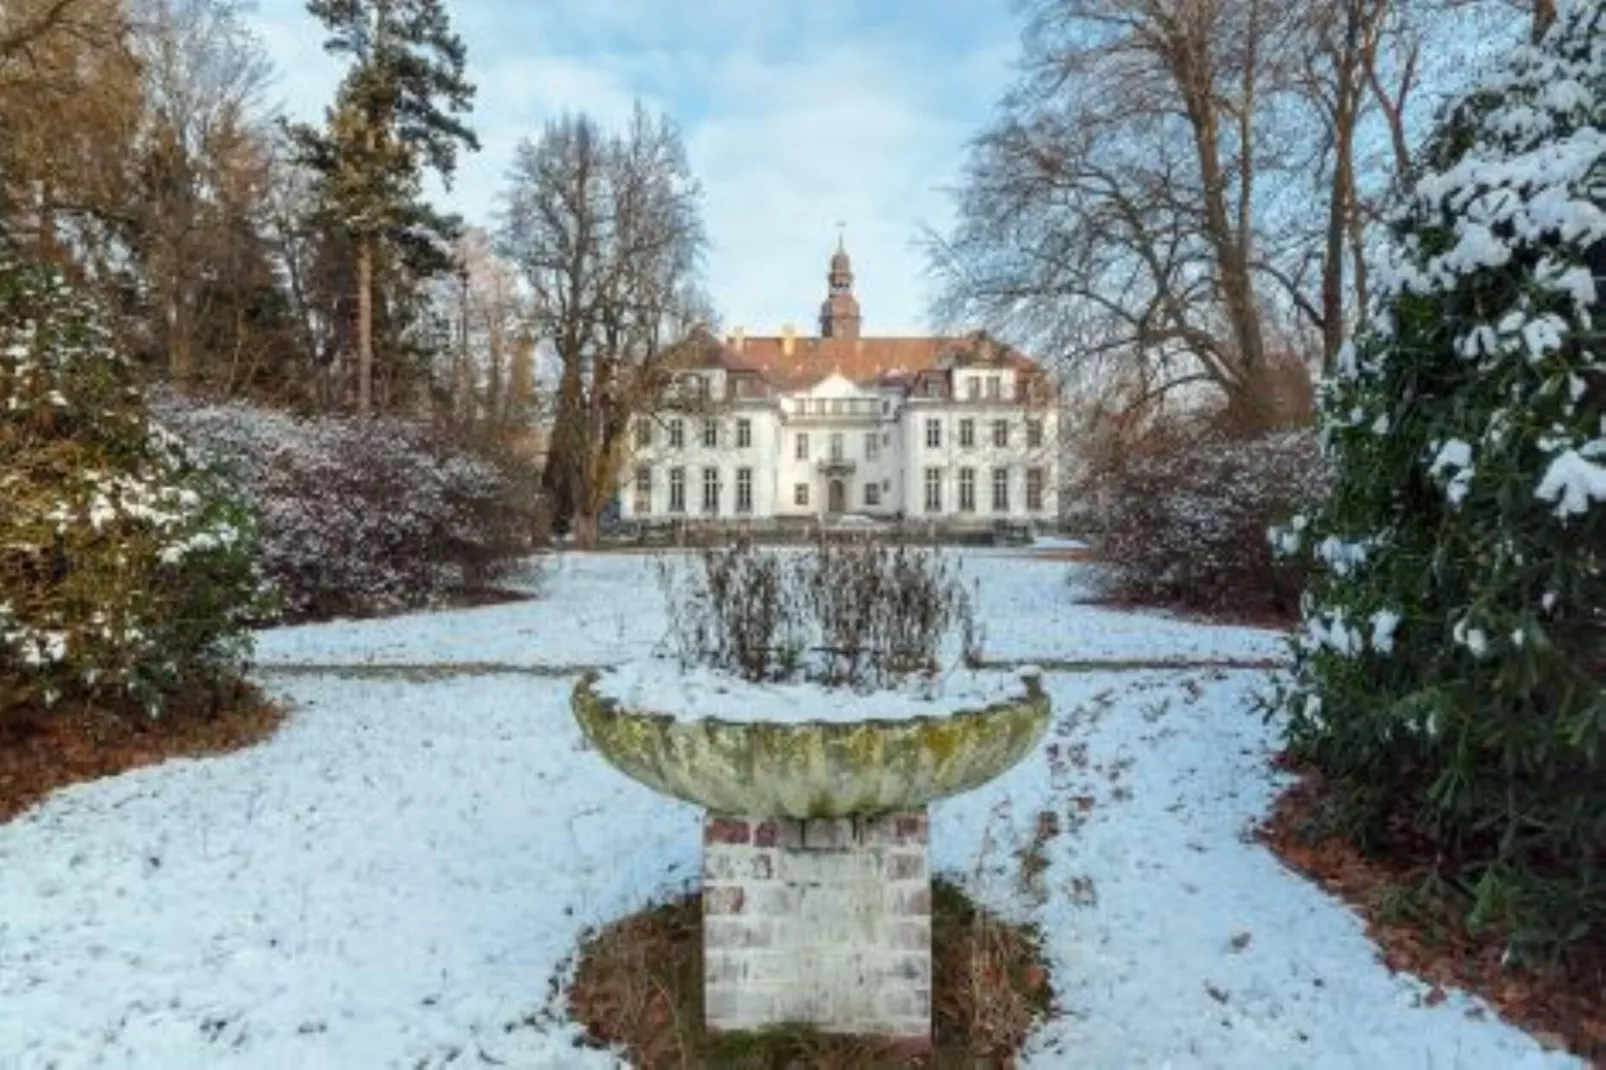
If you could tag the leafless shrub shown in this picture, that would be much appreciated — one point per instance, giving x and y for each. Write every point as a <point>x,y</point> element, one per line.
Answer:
<point>857,614</point>
<point>1186,516</point>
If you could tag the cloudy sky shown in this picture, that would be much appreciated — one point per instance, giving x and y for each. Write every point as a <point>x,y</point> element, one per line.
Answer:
<point>797,115</point>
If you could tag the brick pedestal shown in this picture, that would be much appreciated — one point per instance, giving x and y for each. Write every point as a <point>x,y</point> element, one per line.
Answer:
<point>822,922</point>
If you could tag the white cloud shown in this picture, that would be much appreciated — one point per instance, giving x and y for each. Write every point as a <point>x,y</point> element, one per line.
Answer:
<point>795,118</point>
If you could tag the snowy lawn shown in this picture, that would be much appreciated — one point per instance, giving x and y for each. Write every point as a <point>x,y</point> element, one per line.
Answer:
<point>607,608</point>
<point>395,879</point>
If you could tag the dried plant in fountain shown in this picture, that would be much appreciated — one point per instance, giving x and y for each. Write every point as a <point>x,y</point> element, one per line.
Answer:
<point>858,615</point>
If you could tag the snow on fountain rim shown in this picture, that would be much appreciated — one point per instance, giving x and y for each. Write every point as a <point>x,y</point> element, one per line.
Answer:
<point>697,693</point>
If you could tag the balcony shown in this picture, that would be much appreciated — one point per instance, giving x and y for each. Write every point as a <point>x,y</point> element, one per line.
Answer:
<point>837,408</point>
<point>837,466</point>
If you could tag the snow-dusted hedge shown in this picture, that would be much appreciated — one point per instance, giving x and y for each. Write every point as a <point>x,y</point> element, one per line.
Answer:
<point>361,516</point>
<point>126,568</point>
<point>1450,670</point>
<point>1185,518</point>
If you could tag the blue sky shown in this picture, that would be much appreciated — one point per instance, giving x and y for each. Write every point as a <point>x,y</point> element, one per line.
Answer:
<point>796,115</point>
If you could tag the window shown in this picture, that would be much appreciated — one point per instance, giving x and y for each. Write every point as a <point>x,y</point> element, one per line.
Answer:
<point>697,386</point>
<point>800,494</point>
<point>1000,490</point>
<point>934,490</point>
<point>643,503</point>
<point>933,434</point>
<point>872,495</point>
<point>744,433</point>
<point>677,490</point>
<point>973,387</point>
<point>802,452</point>
<point>886,407</point>
<point>836,446</point>
<point>643,433</point>
<point>994,387</point>
<point>838,406</point>
<point>933,388</point>
<point>677,433</point>
<point>1000,432</point>
<point>967,433</point>
<point>744,490</point>
<point>711,433</point>
<point>967,490</point>
<point>1034,434</point>
<point>1034,490</point>
<point>711,491</point>
<point>872,446</point>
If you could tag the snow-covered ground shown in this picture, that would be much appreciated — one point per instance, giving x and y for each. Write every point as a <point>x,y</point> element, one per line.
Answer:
<point>396,877</point>
<point>608,608</point>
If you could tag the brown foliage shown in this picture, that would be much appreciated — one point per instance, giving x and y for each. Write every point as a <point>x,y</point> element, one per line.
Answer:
<point>41,750</point>
<point>1185,515</point>
<point>1563,1006</point>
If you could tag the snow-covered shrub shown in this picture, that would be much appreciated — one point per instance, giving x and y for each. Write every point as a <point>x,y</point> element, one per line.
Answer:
<point>361,516</point>
<point>1185,518</point>
<point>850,614</point>
<point>1449,675</point>
<point>126,567</point>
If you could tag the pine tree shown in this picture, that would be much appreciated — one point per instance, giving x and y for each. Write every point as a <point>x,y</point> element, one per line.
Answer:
<point>1450,671</point>
<point>397,113</point>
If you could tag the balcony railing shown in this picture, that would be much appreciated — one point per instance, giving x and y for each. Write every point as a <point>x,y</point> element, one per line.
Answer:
<point>850,408</point>
<point>837,465</point>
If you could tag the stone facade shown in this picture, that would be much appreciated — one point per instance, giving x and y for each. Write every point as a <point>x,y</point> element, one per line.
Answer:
<point>825,922</point>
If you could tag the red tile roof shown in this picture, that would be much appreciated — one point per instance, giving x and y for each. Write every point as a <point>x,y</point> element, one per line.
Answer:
<point>864,361</point>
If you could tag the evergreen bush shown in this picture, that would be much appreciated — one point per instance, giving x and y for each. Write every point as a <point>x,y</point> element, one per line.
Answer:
<point>1448,680</point>
<point>126,566</point>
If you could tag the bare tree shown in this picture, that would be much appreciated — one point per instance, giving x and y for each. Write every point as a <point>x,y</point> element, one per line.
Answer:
<point>493,318</point>
<point>1112,211</point>
<point>23,25</point>
<point>69,106</point>
<point>1145,198</point>
<point>607,232</point>
<point>204,73</point>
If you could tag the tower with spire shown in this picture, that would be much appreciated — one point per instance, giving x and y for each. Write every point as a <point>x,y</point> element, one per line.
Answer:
<point>839,314</point>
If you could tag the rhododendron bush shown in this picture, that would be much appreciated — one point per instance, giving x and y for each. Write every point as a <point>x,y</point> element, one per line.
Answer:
<point>127,574</point>
<point>1185,515</point>
<point>1448,678</point>
<point>361,516</point>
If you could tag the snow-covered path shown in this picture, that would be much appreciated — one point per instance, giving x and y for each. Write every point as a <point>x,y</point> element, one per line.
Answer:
<point>395,878</point>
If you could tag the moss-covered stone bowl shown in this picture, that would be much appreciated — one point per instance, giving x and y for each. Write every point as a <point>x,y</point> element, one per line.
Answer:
<point>814,769</point>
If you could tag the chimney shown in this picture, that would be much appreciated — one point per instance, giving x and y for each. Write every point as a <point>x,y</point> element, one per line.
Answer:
<point>738,336</point>
<point>788,336</point>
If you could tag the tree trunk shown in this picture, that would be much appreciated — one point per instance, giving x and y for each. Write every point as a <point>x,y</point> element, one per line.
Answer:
<point>179,365</point>
<point>1544,16</point>
<point>365,325</point>
<point>1357,248</point>
<point>1333,255</point>
<point>566,449</point>
<point>587,529</point>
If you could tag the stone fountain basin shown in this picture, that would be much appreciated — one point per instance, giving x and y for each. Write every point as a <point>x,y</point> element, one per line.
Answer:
<point>813,769</point>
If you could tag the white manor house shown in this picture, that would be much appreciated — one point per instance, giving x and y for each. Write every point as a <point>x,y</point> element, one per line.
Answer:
<point>960,431</point>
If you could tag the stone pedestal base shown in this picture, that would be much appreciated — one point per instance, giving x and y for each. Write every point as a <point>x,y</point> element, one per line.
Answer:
<point>823,922</point>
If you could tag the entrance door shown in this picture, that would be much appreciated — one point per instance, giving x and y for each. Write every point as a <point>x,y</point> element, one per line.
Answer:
<point>837,497</point>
